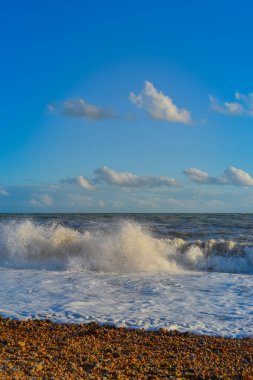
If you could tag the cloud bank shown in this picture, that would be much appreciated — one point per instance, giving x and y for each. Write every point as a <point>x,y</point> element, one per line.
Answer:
<point>127,192</point>
<point>81,108</point>
<point>111,177</point>
<point>159,106</point>
<point>105,175</point>
<point>241,105</point>
<point>231,176</point>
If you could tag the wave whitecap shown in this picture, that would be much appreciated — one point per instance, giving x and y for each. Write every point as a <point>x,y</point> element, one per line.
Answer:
<point>129,248</point>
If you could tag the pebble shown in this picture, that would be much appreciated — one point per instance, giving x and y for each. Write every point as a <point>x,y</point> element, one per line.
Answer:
<point>89,351</point>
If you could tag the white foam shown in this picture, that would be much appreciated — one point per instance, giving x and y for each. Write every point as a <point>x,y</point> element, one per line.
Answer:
<point>210,303</point>
<point>128,248</point>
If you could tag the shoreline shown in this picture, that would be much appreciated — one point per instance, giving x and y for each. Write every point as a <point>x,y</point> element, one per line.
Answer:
<point>49,350</point>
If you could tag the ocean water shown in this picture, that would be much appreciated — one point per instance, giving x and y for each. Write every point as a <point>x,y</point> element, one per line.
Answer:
<point>190,272</point>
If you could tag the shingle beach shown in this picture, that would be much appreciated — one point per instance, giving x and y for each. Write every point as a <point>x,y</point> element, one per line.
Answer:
<point>40,349</point>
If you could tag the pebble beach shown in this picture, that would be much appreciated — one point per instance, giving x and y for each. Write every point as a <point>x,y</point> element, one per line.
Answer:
<point>41,349</point>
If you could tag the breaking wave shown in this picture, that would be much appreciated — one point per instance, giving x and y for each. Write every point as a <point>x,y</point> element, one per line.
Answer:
<point>125,249</point>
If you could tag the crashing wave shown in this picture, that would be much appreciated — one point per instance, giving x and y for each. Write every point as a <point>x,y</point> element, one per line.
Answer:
<point>129,248</point>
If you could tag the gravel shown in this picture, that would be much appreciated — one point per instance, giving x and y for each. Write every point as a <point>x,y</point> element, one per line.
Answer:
<point>40,349</point>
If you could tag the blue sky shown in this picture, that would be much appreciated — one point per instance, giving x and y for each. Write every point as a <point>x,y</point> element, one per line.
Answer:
<point>126,106</point>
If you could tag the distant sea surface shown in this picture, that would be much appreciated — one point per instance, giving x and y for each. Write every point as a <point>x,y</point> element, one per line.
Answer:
<point>191,272</point>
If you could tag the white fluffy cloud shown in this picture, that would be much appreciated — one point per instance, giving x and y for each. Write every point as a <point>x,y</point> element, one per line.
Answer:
<point>111,177</point>
<point>80,181</point>
<point>241,105</point>
<point>238,177</point>
<point>231,176</point>
<point>160,106</point>
<point>198,176</point>
<point>105,175</point>
<point>81,108</point>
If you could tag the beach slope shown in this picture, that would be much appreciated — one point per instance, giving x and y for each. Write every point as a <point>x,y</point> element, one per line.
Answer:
<point>40,349</point>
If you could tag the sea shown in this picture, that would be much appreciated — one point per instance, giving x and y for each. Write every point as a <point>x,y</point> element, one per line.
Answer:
<point>185,272</point>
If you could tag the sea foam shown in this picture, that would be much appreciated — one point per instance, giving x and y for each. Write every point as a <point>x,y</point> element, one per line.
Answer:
<point>128,248</point>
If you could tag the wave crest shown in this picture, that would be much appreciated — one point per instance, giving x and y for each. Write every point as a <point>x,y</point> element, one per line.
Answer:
<point>128,248</point>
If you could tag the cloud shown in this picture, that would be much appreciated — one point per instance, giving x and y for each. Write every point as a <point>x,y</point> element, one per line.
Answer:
<point>111,177</point>
<point>80,181</point>
<point>42,200</point>
<point>199,176</point>
<point>238,177</point>
<point>242,105</point>
<point>38,197</point>
<point>81,108</point>
<point>34,202</point>
<point>47,200</point>
<point>105,175</point>
<point>159,106</point>
<point>231,176</point>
